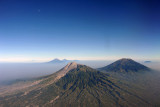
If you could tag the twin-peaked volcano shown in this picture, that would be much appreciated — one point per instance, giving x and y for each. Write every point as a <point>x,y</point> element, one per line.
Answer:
<point>58,61</point>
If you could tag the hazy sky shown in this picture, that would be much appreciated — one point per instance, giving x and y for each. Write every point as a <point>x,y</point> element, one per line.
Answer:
<point>40,30</point>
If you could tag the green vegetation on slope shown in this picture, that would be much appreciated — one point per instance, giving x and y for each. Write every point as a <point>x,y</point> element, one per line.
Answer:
<point>81,86</point>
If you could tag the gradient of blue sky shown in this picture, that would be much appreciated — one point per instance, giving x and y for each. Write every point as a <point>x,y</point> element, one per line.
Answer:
<point>79,29</point>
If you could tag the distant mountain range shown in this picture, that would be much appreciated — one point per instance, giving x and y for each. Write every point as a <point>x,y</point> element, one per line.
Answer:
<point>147,61</point>
<point>56,61</point>
<point>78,85</point>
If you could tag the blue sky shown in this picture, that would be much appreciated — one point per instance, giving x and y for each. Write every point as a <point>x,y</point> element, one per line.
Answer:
<point>41,30</point>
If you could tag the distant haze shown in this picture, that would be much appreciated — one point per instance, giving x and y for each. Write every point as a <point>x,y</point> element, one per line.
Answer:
<point>12,71</point>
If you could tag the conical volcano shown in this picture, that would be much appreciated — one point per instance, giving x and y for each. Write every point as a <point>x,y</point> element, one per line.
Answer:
<point>125,65</point>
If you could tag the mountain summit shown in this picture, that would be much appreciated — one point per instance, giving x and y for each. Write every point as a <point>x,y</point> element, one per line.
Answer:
<point>67,68</point>
<point>124,65</point>
<point>56,60</point>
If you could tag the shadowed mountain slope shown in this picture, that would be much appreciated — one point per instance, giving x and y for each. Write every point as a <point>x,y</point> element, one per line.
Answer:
<point>85,87</point>
<point>124,65</point>
<point>142,79</point>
